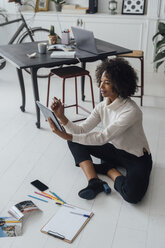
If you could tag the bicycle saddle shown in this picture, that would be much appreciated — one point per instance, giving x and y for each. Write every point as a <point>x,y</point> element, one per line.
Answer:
<point>15,1</point>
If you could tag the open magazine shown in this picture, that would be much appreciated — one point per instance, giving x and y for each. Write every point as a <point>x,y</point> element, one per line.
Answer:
<point>10,227</point>
<point>20,209</point>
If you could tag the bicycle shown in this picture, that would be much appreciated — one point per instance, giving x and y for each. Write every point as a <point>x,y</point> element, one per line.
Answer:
<point>30,35</point>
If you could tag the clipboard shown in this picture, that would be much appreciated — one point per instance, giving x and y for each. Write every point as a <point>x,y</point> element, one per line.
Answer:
<point>67,223</point>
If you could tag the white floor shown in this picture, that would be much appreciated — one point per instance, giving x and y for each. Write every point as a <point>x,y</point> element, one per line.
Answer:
<point>28,153</point>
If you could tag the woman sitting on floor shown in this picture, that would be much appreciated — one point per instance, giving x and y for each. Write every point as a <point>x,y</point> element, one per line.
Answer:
<point>122,143</point>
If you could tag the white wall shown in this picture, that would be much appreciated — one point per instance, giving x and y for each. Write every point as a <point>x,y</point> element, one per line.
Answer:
<point>154,82</point>
<point>102,4</point>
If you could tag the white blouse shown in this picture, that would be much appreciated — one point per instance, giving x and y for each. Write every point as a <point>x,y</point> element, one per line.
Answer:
<point>122,126</point>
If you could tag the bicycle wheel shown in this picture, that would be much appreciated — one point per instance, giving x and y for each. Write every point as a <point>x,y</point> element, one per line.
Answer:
<point>39,34</point>
<point>2,63</point>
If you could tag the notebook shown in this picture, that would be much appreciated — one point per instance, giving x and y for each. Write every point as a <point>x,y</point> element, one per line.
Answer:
<point>67,223</point>
<point>63,54</point>
<point>85,41</point>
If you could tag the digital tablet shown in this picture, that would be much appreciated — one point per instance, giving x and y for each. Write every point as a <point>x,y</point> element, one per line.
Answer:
<point>48,113</point>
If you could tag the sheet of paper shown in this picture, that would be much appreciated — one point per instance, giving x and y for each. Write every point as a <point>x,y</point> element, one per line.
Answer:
<point>66,223</point>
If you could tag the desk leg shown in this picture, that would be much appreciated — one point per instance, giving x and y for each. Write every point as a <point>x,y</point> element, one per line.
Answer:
<point>83,65</point>
<point>36,93</point>
<point>22,86</point>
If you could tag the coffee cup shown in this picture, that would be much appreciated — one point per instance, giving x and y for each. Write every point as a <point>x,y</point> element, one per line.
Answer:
<point>42,47</point>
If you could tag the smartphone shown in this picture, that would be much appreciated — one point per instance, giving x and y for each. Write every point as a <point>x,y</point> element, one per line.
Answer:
<point>39,185</point>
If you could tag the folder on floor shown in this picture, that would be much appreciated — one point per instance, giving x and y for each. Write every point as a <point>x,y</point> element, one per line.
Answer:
<point>67,223</point>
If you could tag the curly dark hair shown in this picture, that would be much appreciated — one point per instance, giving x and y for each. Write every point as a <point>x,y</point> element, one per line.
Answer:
<point>123,77</point>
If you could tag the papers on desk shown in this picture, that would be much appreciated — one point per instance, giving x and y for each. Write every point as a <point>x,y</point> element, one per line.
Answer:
<point>67,223</point>
<point>57,47</point>
<point>63,54</point>
<point>61,47</point>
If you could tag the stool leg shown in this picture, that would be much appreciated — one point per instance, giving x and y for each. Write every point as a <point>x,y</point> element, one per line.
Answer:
<point>47,102</point>
<point>83,65</point>
<point>93,102</point>
<point>63,92</point>
<point>142,80</point>
<point>76,95</point>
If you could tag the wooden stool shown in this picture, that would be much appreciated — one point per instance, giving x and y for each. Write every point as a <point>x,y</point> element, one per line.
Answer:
<point>139,55</point>
<point>71,72</point>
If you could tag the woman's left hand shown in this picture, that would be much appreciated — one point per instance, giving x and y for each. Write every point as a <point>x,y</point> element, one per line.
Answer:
<point>61,134</point>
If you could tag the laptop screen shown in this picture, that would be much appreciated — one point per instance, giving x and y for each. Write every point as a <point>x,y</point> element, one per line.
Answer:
<point>85,41</point>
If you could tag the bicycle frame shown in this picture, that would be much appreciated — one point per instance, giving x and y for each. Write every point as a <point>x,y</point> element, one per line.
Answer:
<point>21,35</point>
<point>20,28</point>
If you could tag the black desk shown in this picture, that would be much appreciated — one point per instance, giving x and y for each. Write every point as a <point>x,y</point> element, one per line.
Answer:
<point>16,55</point>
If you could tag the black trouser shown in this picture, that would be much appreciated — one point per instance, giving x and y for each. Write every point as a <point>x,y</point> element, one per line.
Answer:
<point>133,186</point>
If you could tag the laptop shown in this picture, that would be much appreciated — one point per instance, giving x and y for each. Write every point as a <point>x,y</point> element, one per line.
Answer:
<point>85,41</point>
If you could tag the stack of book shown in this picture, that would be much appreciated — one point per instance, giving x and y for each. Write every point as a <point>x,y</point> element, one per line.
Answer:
<point>73,9</point>
<point>12,226</point>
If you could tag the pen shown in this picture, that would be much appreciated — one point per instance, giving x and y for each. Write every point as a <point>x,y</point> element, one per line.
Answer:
<point>56,196</point>
<point>84,215</point>
<point>43,195</point>
<point>65,205</point>
<point>52,197</point>
<point>37,198</point>
<point>12,221</point>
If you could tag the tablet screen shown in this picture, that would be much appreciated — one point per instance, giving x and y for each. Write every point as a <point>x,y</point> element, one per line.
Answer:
<point>48,113</point>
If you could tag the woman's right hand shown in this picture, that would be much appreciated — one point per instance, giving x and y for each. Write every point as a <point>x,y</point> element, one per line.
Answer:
<point>58,109</point>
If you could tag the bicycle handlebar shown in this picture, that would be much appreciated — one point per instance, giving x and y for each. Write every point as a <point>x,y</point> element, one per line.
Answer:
<point>22,3</point>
